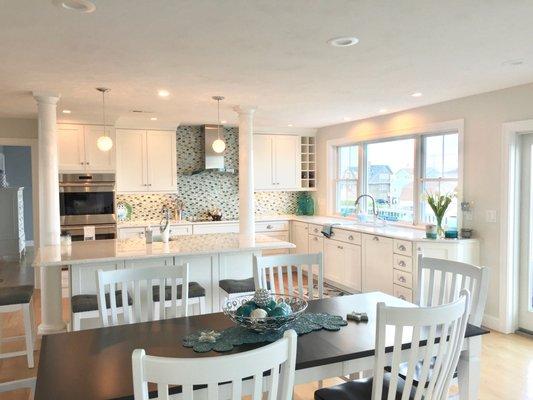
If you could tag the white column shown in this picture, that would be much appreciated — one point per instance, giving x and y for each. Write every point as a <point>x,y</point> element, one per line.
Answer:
<point>49,229</point>
<point>246,172</point>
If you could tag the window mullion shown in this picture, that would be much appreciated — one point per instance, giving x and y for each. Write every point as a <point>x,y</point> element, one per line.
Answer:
<point>417,181</point>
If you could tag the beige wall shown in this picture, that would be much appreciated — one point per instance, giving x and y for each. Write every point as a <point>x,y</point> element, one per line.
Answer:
<point>483,117</point>
<point>18,128</point>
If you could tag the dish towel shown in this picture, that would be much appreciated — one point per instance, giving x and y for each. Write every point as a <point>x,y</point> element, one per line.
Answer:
<point>327,230</point>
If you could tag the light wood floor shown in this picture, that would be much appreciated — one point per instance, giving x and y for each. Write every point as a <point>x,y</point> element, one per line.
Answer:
<point>506,363</point>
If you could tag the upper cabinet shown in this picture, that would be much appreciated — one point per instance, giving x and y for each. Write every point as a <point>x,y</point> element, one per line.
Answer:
<point>146,161</point>
<point>78,151</point>
<point>277,162</point>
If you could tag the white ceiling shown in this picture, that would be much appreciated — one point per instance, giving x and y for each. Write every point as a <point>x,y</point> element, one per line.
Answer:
<point>270,53</point>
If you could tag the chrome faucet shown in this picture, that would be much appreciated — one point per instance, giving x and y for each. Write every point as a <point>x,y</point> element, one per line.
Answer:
<point>374,210</point>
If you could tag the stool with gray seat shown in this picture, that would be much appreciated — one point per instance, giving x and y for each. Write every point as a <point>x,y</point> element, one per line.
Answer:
<point>230,288</point>
<point>196,295</point>
<point>20,298</point>
<point>85,306</point>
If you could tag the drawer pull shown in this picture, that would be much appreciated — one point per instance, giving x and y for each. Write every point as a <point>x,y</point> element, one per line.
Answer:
<point>402,247</point>
<point>402,279</point>
<point>316,230</point>
<point>269,226</point>
<point>350,237</point>
<point>340,247</point>
<point>402,263</point>
<point>375,238</point>
<point>315,239</point>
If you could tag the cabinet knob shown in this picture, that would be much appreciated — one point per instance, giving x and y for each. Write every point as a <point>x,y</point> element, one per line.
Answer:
<point>269,226</point>
<point>340,247</point>
<point>315,239</point>
<point>402,279</point>
<point>375,238</point>
<point>87,163</point>
<point>350,237</point>
<point>401,263</point>
<point>82,163</point>
<point>402,247</point>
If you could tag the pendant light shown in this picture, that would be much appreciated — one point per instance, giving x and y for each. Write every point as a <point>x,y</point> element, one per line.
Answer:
<point>104,142</point>
<point>218,145</point>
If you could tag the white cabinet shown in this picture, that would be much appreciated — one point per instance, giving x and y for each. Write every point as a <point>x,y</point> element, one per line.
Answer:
<point>78,151</point>
<point>316,244</point>
<point>146,161</point>
<point>377,264</point>
<point>343,264</point>
<point>216,227</point>
<point>299,237</point>
<point>276,162</point>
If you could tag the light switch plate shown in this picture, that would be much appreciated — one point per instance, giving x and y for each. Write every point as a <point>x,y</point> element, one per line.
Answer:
<point>490,215</point>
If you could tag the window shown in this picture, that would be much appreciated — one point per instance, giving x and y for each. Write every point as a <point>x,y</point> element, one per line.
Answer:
<point>398,173</point>
<point>347,179</point>
<point>389,178</point>
<point>440,173</point>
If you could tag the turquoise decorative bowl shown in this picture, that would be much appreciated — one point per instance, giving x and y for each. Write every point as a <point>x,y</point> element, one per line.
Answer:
<point>269,323</point>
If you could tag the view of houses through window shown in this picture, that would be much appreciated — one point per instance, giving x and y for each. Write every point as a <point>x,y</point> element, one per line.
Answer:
<point>388,175</point>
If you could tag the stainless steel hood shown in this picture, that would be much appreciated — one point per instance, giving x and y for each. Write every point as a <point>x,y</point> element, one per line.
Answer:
<point>213,160</point>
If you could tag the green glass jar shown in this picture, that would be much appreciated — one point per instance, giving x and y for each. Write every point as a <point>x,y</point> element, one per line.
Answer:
<point>306,204</point>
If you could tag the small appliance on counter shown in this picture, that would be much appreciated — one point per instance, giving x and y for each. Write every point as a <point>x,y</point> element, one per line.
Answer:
<point>215,214</point>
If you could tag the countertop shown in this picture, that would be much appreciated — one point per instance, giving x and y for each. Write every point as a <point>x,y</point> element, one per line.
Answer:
<point>388,230</point>
<point>116,249</point>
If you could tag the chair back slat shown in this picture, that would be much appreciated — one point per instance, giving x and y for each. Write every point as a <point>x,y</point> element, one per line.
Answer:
<point>265,269</point>
<point>440,281</point>
<point>138,284</point>
<point>221,371</point>
<point>442,328</point>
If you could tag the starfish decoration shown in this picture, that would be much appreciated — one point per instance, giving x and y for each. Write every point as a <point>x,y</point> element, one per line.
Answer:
<point>208,336</point>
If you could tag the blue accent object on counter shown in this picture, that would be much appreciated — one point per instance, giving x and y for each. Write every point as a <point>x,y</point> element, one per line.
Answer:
<point>225,340</point>
<point>451,234</point>
<point>306,204</point>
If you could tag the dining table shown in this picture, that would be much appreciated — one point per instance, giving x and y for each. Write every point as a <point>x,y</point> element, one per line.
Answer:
<point>95,364</point>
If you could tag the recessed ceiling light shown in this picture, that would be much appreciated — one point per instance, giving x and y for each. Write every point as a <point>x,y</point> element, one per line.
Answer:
<point>153,119</point>
<point>289,125</point>
<point>416,94</point>
<point>383,110</point>
<point>66,111</point>
<point>83,6</point>
<point>343,41</point>
<point>223,121</point>
<point>163,93</point>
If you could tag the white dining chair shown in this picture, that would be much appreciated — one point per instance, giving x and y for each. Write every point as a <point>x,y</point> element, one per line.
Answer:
<point>27,383</point>
<point>274,269</point>
<point>167,280</point>
<point>231,376</point>
<point>436,335</point>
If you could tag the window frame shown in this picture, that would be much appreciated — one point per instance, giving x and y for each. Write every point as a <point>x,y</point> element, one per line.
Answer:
<point>336,178</point>
<point>418,134</point>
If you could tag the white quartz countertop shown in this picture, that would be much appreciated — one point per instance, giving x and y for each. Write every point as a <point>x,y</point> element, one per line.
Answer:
<point>116,250</point>
<point>388,230</point>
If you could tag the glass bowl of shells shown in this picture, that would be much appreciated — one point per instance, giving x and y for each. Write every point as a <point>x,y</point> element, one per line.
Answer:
<point>264,311</point>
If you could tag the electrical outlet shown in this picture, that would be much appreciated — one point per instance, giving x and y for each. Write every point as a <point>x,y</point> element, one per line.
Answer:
<point>490,215</point>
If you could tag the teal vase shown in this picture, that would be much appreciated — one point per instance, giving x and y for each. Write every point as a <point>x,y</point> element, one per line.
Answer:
<point>306,205</point>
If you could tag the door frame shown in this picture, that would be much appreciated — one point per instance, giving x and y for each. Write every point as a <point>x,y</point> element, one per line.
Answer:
<point>509,226</point>
<point>33,145</point>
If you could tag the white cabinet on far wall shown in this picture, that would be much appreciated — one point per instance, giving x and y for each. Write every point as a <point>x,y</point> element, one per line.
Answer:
<point>276,162</point>
<point>78,151</point>
<point>300,237</point>
<point>343,264</point>
<point>377,264</point>
<point>146,161</point>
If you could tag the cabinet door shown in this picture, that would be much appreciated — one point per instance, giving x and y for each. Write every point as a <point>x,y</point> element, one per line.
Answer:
<point>316,244</point>
<point>96,159</point>
<point>263,162</point>
<point>286,162</point>
<point>299,237</point>
<point>377,264</point>
<point>70,148</point>
<point>334,261</point>
<point>161,157</point>
<point>352,266</point>
<point>131,233</point>
<point>131,160</point>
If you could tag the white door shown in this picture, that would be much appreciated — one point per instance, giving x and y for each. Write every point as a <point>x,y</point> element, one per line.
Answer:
<point>161,157</point>
<point>299,237</point>
<point>334,260</point>
<point>131,160</point>
<point>525,309</point>
<point>352,265</point>
<point>96,159</point>
<point>286,162</point>
<point>71,148</point>
<point>377,264</point>
<point>263,162</point>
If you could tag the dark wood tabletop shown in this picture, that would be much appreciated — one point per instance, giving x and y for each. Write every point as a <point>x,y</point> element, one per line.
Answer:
<point>96,364</point>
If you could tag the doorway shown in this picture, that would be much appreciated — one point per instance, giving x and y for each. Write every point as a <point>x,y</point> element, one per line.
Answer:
<point>525,281</point>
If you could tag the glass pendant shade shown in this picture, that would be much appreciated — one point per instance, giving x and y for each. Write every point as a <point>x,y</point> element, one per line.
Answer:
<point>219,146</point>
<point>104,143</point>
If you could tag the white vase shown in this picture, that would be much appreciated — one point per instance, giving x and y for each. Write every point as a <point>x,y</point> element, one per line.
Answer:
<point>165,235</point>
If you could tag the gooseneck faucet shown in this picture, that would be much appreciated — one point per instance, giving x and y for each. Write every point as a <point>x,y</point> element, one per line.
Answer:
<point>374,211</point>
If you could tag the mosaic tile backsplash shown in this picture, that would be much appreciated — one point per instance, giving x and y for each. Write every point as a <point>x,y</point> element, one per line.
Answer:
<point>201,190</point>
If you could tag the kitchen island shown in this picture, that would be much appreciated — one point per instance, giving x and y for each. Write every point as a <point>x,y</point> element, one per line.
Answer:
<point>211,257</point>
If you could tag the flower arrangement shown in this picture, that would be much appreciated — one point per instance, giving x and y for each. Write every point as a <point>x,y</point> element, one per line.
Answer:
<point>439,204</point>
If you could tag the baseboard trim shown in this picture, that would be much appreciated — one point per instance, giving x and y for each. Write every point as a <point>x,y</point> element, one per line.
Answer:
<point>493,323</point>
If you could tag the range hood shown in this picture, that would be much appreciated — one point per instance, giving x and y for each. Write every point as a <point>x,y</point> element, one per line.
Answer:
<point>213,160</point>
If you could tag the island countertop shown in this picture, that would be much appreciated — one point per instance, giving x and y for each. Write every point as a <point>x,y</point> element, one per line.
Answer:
<point>88,252</point>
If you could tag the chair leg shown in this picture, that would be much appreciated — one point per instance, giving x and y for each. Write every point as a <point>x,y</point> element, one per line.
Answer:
<point>28,334</point>
<point>76,323</point>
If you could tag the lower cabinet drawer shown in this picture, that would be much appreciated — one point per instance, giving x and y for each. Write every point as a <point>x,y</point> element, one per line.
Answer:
<point>403,278</point>
<point>215,228</point>
<point>272,226</point>
<point>403,262</point>
<point>403,293</point>
<point>177,230</point>
<point>315,229</point>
